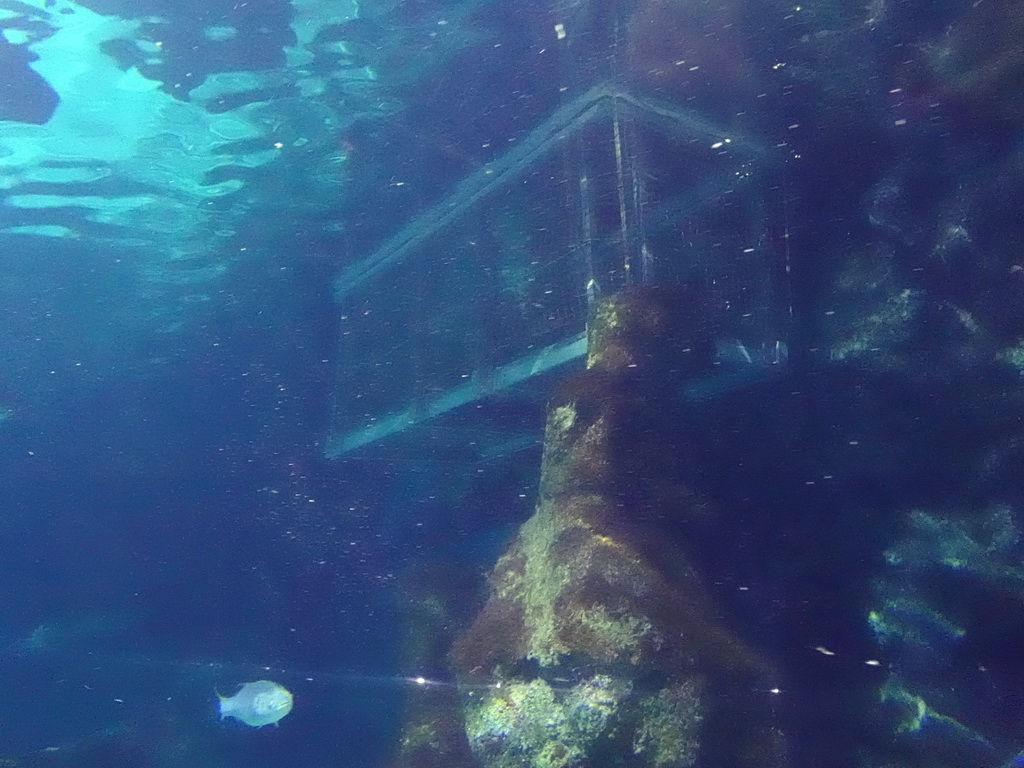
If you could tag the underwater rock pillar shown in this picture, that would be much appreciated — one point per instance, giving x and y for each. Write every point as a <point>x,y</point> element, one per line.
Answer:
<point>598,644</point>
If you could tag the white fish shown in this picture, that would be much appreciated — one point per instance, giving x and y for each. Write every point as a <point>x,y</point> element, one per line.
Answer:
<point>260,703</point>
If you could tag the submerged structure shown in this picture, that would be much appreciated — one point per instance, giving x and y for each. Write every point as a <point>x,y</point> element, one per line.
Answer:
<point>587,203</point>
<point>637,260</point>
<point>599,643</point>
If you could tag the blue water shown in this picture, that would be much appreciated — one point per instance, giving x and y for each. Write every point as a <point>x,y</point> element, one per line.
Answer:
<point>173,362</point>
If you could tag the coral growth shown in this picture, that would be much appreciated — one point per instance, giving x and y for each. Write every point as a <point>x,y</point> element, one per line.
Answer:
<point>599,644</point>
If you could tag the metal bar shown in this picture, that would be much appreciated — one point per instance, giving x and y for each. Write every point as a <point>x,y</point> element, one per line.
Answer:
<point>479,385</point>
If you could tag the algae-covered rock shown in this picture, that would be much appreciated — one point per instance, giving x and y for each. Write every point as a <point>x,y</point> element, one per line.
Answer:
<point>951,591</point>
<point>669,725</point>
<point>599,644</point>
<point>548,725</point>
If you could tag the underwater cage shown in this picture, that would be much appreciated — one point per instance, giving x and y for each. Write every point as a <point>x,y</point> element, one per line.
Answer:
<point>451,331</point>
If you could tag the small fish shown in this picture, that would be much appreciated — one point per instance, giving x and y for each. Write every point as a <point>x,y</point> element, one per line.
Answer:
<point>256,704</point>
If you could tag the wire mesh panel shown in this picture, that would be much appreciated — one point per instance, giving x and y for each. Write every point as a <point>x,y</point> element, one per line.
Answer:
<point>491,286</point>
